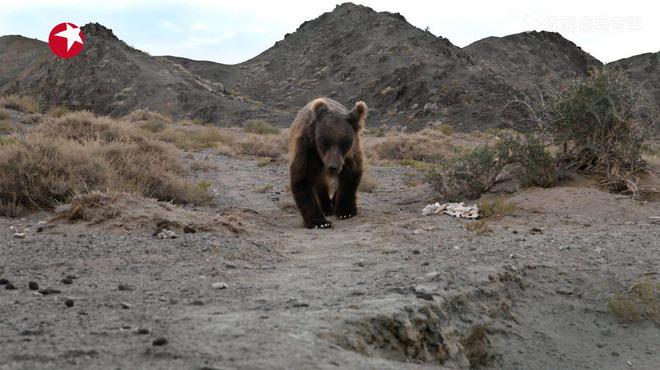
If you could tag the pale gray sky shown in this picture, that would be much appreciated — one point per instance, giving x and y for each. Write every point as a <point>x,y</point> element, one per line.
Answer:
<point>234,31</point>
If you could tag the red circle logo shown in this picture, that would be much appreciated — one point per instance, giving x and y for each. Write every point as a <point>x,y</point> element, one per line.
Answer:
<point>66,40</point>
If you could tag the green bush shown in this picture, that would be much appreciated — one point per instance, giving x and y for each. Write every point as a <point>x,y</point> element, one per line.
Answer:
<point>470,174</point>
<point>593,124</point>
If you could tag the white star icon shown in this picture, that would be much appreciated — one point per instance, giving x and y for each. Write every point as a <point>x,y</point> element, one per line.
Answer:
<point>72,35</point>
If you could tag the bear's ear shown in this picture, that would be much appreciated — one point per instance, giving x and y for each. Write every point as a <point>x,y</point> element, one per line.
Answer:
<point>358,115</point>
<point>319,108</point>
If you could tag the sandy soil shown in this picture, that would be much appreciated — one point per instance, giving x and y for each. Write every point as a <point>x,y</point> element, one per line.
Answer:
<point>389,289</point>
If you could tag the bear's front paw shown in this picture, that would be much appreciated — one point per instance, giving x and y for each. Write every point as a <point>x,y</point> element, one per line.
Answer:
<point>346,212</point>
<point>320,223</point>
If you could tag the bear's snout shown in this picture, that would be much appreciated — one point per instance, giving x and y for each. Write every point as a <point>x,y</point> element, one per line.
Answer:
<point>333,162</point>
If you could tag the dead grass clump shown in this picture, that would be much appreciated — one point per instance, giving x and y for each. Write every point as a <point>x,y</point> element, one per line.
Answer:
<point>640,301</point>
<point>368,183</point>
<point>25,104</point>
<point>261,127</point>
<point>80,153</point>
<point>270,146</point>
<point>495,207</point>
<point>6,128</point>
<point>148,120</point>
<point>194,138</point>
<point>446,129</point>
<point>420,146</point>
<point>58,111</point>
<point>479,227</point>
<point>3,115</point>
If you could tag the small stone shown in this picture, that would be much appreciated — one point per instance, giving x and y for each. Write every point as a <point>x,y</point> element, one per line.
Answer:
<point>189,230</point>
<point>48,291</point>
<point>33,285</point>
<point>125,305</point>
<point>67,281</point>
<point>4,281</point>
<point>124,287</point>
<point>10,286</point>
<point>72,277</point>
<point>219,285</point>
<point>197,302</point>
<point>629,363</point>
<point>166,234</point>
<point>40,229</point>
<point>19,235</point>
<point>416,251</point>
<point>142,331</point>
<point>159,342</point>
<point>69,302</point>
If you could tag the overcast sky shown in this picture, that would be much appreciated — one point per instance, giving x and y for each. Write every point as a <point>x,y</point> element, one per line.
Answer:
<point>234,31</point>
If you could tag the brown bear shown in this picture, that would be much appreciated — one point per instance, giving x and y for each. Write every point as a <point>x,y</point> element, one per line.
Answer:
<point>324,145</point>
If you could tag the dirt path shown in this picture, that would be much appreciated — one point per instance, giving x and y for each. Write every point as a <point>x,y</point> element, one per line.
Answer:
<point>390,289</point>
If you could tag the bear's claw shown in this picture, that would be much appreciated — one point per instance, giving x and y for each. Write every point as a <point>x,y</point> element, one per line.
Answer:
<point>323,226</point>
<point>347,216</point>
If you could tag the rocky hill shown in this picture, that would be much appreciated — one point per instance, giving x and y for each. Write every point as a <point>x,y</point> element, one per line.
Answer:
<point>409,77</point>
<point>536,63</point>
<point>110,77</point>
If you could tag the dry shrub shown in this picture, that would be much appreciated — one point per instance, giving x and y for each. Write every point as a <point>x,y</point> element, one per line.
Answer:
<point>79,153</point>
<point>595,126</point>
<point>420,146</point>
<point>272,146</point>
<point>446,129</point>
<point>479,227</point>
<point>640,301</point>
<point>58,111</point>
<point>194,138</point>
<point>6,128</point>
<point>368,183</point>
<point>468,175</point>
<point>261,127</point>
<point>495,207</point>
<point>148,120</point>
<point>25,104</point>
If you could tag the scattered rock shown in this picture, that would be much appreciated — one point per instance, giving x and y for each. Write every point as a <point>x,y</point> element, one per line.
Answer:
<point>142,331</point>
<point>159,341</point>
<point>416,251</point>
<point>67,281</point>
<point>219,285</point>
<point>189,230</point>
<point>33,285</point>
<point>197,302</point>
<point>565,291</point>
<point>125,287</point>
<point>69,302</point>
<point>125,305</point>
<point>166,234</point>
<point>72,277</point>
<point>19,235</point>
<point>48,291</point>
<point>4,281</point>
<point>10,286</point>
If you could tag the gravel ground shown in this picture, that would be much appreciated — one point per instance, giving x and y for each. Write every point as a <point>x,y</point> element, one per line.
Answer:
<point>389,289</point>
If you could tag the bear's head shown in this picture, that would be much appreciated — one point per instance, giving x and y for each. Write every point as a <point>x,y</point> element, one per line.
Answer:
<point>335,132</point>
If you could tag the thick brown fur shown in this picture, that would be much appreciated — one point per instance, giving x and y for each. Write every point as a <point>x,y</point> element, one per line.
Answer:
<point>324,145</point>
